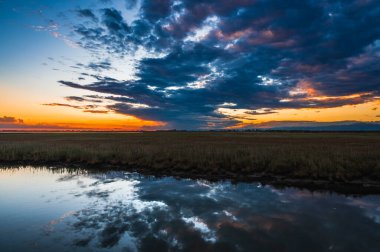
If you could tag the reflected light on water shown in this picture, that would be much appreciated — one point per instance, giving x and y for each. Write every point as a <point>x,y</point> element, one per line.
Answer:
<point>64,210</point>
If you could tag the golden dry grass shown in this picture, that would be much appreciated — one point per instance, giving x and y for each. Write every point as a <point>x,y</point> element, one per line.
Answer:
<point>332,156</point>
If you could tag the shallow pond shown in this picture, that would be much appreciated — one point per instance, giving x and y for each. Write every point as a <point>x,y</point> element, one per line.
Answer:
<point>57,210</point>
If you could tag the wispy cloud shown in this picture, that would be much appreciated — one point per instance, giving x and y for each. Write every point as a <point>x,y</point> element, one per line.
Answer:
<point>62,105</point>
<point>96,111</point>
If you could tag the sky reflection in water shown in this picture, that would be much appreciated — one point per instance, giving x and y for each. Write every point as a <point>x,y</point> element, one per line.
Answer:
<point>55,210</point>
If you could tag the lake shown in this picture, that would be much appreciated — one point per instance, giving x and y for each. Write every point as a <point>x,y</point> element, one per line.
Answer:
<point>45,209</point>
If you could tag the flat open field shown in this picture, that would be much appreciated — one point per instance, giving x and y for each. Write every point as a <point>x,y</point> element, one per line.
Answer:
<point>339,157</point>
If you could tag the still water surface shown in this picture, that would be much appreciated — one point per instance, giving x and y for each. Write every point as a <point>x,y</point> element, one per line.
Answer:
<point>57,210</point>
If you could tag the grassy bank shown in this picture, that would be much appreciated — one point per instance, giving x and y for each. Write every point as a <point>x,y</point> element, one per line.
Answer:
<point>310,156</point>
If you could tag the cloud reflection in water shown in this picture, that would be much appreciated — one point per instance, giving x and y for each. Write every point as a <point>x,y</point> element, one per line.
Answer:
<point>127,212</point>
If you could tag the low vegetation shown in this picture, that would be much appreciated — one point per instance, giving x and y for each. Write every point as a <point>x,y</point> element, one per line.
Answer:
<point>234,155</point>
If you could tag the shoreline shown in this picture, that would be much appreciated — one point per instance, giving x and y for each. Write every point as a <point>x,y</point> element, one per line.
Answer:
<point>342,162</point>
<point>358,187</point>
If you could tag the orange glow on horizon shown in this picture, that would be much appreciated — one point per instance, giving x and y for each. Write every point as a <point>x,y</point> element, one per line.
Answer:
<point>36,116</point>
<point>365,112</point>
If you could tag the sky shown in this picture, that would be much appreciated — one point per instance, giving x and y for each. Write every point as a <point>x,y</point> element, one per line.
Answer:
<point>188,64</point>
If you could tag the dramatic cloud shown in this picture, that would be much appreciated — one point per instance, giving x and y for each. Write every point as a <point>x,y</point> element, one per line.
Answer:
<point>190,57</point>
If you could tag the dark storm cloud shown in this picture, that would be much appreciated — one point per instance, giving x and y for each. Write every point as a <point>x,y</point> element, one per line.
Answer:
<point>255,54</point>
<point>178,68</point>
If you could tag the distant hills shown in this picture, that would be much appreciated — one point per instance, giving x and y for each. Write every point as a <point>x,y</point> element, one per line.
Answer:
<point>354,126</point>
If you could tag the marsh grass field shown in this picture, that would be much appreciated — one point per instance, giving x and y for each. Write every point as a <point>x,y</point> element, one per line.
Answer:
<point>285,156</point>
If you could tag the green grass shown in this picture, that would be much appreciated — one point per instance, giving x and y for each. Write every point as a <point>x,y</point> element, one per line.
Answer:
<point>327,156</point>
